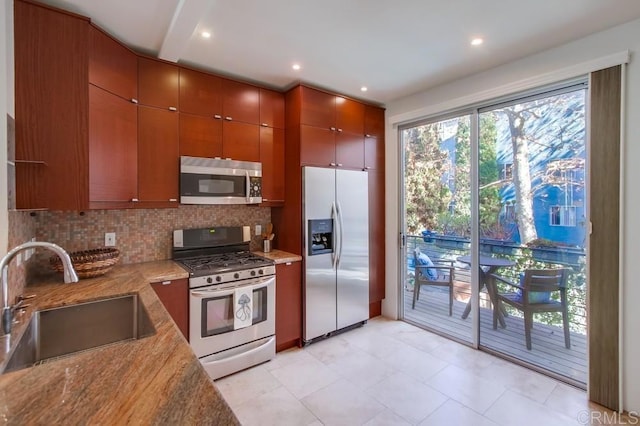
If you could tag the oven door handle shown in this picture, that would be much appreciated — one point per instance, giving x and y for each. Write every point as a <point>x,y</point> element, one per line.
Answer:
<point>230,290</point>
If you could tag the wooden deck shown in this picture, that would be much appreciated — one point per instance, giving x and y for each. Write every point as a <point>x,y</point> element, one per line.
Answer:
<point>548,350</point>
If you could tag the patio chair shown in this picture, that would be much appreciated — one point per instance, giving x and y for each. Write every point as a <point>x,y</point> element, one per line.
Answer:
<point>533,295</point>
<point>434,273</point>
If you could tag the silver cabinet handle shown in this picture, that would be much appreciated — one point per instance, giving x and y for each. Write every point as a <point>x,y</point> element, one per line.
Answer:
<point>228,118</point>
<point>332,164</point>
<point>166,282</point>
<point>217,116</point>
<point>173,108</point>
<point>367,167</point>
<point>134,101</point>
<point>264,125</point>
<point>366,135</point>
<point>134,200</point>
<point>333,129</point>
<point>339,129</point>
<point>339,164</point>
<point>173,200</point>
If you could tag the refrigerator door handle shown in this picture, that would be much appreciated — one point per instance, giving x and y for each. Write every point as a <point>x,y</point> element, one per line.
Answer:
<point>339,211</point>
<point>334,253</point>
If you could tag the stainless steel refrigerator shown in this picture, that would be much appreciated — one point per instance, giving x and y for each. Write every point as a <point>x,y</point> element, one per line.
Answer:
<point>336,249</point>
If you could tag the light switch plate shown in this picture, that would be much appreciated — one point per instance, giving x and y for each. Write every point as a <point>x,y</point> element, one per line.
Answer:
<point>110,239</point>
<point>258,229</point>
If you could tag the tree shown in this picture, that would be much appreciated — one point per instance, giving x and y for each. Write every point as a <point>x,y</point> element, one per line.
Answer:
<point>425,162</point>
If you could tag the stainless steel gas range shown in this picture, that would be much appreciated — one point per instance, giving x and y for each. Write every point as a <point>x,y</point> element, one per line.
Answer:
<point>231,298</point>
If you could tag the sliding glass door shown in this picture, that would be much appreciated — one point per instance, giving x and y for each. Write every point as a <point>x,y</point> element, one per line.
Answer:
<point>494,225</point>
<point>437,212</point>
<point>532,214</point>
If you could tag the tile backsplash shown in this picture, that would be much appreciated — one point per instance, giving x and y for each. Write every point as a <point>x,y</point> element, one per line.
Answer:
<point>22,228</point>
<point>141,235</point>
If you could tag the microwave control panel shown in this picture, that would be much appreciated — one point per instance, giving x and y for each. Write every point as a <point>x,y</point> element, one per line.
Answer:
<point>255,186</point>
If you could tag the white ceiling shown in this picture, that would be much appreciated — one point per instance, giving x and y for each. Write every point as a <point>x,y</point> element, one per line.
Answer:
<point>395,48</point>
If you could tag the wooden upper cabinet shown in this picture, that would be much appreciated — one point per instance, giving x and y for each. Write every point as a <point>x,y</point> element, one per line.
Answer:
<point>317,146</point>
<point>113,166</point>
<point>373,121</point>
<point>241,141</point>
<point>272,159</point>
<point>112,66</point>
<point>349,150</point>
<point>271,109</point>
<point>200,93</point>
<point>349,116</point>
<point>200,136</point>
<point>157,157</point>
<point>51,107</point>
<point>241,102</point>
<point>374,138</point>
<point>158,84</point>
<point>318,108</point>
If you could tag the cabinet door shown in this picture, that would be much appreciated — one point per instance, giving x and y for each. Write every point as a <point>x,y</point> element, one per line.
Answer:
<point>113,151</point>
<point>158,83</point>
<point>241,102</point>
<point>271,109</point>
<point>350,150</point>
<point>349,116</point>
<point>318,109</point>
<point>317,146</point>
<point>374,138</point>
<point>200,93</point>
<point>376,239</point>
<point>200,136</point>
<point>112,66</point>
<point>288,305</point>
<point>373,121</point>
<point>240,141</point>
<point>272,159</point>
<point>174,295</point>
<point>51,107</point>
<point>157,157</point>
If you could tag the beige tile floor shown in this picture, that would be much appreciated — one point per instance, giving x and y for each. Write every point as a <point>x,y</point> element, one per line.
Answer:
<point>392,373</point>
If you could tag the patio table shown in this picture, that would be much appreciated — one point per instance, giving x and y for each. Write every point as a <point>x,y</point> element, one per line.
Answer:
<point>492,264</point>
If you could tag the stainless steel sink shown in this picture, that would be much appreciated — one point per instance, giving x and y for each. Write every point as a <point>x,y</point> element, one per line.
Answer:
<point>63,331</point>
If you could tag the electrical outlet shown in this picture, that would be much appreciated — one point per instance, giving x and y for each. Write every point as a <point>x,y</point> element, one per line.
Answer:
<point>258,229</point>
<point>19,259</point>
<point>110,239</point>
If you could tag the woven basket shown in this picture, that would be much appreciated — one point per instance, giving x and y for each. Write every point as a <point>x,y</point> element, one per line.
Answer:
<point>89,263</point>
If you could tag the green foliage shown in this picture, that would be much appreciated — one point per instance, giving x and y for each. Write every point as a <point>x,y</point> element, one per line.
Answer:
<point>426,195</point>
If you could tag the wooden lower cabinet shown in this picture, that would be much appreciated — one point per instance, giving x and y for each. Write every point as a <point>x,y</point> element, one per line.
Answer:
<point>288,305</point>
<point>174,295</point>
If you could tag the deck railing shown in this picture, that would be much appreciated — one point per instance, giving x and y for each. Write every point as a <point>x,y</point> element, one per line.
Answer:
<point>441,247</point>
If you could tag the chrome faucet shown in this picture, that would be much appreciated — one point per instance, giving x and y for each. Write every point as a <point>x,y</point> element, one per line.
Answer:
<point>70,276</point>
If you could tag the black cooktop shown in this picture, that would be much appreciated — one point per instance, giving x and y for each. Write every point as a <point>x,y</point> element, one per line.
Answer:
<point>223,262</point>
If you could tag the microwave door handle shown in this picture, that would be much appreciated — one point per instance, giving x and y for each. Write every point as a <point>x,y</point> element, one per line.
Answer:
<point>248,183</point>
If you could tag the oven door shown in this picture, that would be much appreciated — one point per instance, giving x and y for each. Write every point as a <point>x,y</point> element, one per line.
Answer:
<point>212,326</point>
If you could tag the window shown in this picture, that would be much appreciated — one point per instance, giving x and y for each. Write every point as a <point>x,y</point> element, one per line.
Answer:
<point>506,172</point>
<point>562,216</point>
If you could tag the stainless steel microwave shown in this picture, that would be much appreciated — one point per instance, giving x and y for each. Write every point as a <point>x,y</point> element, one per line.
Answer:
<point>219,181</point>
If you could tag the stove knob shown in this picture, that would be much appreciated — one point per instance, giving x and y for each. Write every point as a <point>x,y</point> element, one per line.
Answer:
<point>236,275</point>
<point>260,271</point>
<point>209,280</point>
<point>218,278</point>
<point>253,273</point>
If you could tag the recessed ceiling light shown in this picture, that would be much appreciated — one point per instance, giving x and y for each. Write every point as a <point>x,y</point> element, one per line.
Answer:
<point>205,34</point>
<point>296,66</point>
<point>477,41</point>
<point>364,88</point>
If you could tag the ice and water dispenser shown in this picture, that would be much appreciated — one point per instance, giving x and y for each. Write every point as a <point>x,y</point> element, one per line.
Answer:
<point>320,236</point>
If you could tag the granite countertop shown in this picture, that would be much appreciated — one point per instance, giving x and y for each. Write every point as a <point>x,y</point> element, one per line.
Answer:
<point>154,380</point>
<point>279,256</point>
